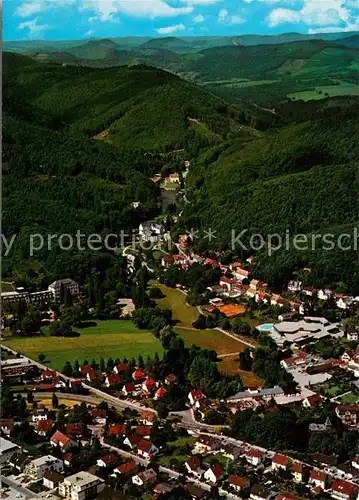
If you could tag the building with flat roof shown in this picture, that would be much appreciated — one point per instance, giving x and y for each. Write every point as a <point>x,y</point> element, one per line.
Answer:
<point>81,486</point>
<point>37,468</point>
<point>304,331</point>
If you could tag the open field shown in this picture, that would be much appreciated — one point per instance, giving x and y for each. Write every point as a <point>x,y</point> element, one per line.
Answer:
<point>211,339</point>
<point>349,399</point>
<point>110,338</point>
<point>183,313</point>
<point>326,91</point>
<point>230,365</point>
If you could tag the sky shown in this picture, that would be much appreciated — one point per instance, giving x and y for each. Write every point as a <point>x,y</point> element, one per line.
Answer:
<point>83,19</point>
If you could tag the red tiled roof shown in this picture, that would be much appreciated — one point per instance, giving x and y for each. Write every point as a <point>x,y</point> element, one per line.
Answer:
<point>122,367</point>
<point>117,430</point>
<point>171,378</point>
<point>130,387</point>
<point>109,459</point>
<point>48,374</point>
<point>74,428</point>
<point>138,374</point>
<point>160,393</point>
<point>314,399</point>
<point>145,445</point>
<point>143,430</point>
<point>254,452</point>
<point>280,459</point>
<point>242,482</point>
<point>194,463</point>
<point>112,379</point>
<point>297,467</point>
<point>196,395</point>
<point>44,425</point>
<point>149,383</point>
<point>217,470</point>
<point>147,415</point>
<point>317,475</point>
<point>59,437</point>
<point>125,468</point>
<point>344,487</point>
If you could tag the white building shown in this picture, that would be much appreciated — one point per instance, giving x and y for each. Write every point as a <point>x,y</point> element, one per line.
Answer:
<point>39,466</point>
<point>81,486</point>
<point>68,284</point>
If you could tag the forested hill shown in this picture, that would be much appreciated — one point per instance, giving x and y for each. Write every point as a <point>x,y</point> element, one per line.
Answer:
<point>304,178</point>
<point>58,178</point>
<point>140,106</point>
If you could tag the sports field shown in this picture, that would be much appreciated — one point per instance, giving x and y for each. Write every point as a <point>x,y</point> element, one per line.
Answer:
<point>109,338</point>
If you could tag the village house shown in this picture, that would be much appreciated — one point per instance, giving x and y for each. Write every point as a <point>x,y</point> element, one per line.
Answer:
<point>325,294</point>
<point>195,491</point>
<point>99,416</point>
<point>146,449</point>
<point>226,282</point>
<point>194,467</point>
<point>147,417</point>
<point>129,389</point>
<point>353,365</point>
<point>297,471</point>
<point>94,376</point>
<point>138,374</point>
<point>81,485</point>
<point>211,262</point>
<point>160,393</point>
<point>7,425</point>
<point>294,286</point>
<point>145,478</point>
<point>238,482</point>
<point>76,384</point>
<point>214,474</point>
<point>67,284</point>
<point>351,333</point>
<point>132,441</point>
<point>61,440</point>
<point>206,444</point>
<point>162,488</point>
<point>74,429</point>
<point>318,478</point>
<point>259,492</point>
<point>112,379</point>
<point>343,490</point>
<point>148,385</point>
<point>39,414</point>
<point>170,379</point>
<point>125,469</point>
<point>254,456</point>
<point>195,396</point>
<point>144,431</point>
<point>348,414</point>
<point>298,359</point>
<point>309,291</point>
<point>312,401</point>
<point>347,356</point>
<point>117,430</point>
<point>343,301</point>
<point>37,468</point>
<point>108,460</point>
<point>231,451</point>
<point>280,462</point>
<point>51,479</point>
<point>121,368</point>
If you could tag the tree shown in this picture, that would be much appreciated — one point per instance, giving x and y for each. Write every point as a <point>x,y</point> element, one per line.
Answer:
<point>200,322</point>
<point>245,360</point>
<point>30,397</point>
<point>141,363</point>
<point>67,369</point>
<point>55,401</point>
<point>102,365</point>
<point>41,357</point>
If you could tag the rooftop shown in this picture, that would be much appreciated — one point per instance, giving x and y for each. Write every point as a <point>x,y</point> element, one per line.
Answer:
<point>82,478</point>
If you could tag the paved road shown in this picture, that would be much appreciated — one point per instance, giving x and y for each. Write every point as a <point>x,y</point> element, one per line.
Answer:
<point>20,489</point>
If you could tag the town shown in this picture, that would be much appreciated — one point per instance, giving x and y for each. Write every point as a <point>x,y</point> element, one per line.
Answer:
<point>100,427</point>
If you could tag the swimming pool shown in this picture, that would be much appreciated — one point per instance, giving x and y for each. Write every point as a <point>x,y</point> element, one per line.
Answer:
<point>265,327</point>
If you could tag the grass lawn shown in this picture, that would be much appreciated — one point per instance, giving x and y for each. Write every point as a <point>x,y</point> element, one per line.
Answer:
<point>332,91</point>
<point>211,339</point>
<point>349,399</point>
<point>6,286</point>
<point>230,365</point>
<point>183,313</point>
<point>109,338</point>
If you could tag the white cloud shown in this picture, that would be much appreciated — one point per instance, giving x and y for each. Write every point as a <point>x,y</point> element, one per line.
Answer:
<point>171,29</point>
<point>35,29</point>
<point>198,19</point>
<point>105,10</point>
<point>236,19</point>
<point>31,7</point>
<point>222,15</point>
<point>281,16</point>
<point>313,13</point>
<point>351,26</point>
<point>89,33</point>
<point>200,2</point>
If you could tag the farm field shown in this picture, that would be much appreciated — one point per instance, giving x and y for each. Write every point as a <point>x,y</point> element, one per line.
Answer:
<point>109,338</point>
<point>331,91</point>
<point>211,339</point>
<point>230,365</point>
<point>183,313</point>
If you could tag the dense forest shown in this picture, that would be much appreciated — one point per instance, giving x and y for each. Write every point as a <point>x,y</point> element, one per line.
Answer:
<point>80,146</point>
